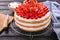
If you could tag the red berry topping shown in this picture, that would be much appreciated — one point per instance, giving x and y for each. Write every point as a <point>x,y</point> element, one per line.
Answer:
<point>31,11</point>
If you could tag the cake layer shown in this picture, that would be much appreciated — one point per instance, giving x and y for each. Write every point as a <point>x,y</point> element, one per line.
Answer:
<point>32,20</point>
<point>29,24</point>
<point>33,29</point>
<point>40,25</point>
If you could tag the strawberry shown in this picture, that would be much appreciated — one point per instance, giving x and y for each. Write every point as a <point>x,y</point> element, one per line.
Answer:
<point>27,15</point>
<point>33,11</point>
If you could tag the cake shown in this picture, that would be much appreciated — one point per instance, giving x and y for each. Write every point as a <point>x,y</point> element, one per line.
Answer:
<point>32,16</point>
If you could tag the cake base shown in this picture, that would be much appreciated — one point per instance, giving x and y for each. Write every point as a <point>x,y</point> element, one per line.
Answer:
<point>32,29</point>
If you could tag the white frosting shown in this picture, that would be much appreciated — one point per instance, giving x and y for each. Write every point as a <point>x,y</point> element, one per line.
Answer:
<point>32,29</point>
<point>32,20</point>
<point>14,5</point>
<point>29,24</point>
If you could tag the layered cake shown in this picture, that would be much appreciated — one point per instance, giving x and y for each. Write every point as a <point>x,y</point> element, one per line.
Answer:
<point>32,16</point>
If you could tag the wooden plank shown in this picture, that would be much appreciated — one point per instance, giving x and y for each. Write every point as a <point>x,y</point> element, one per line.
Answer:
<point>6,0</point>
<point>6,12</point>
<point>3,7</point>
<point>10,0</point>
<point>4,3</point>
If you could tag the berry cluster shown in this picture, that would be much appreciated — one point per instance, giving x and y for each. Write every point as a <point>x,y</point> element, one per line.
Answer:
<point>30,1</point>
<point>31,11</point>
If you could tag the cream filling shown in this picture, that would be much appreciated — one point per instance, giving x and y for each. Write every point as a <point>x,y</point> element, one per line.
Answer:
<point>29,24</point>
<point>33,29</point>
<point>32,20</point>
